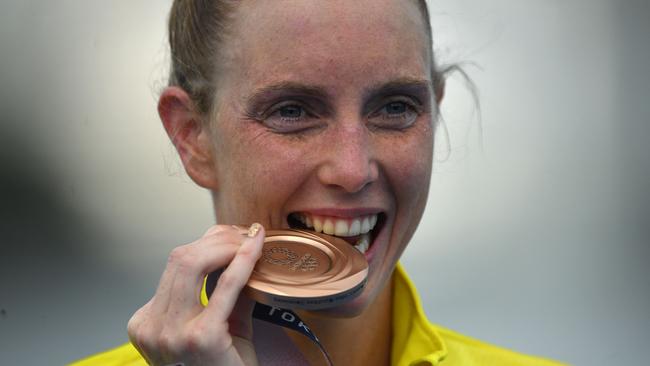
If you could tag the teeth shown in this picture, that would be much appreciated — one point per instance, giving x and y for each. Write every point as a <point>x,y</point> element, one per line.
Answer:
<point>328,227</point>
<point>355,227</point>
<point>365,225</point>
<point>341,228</point>
<point>318,224</point>
<point>336,226</point>
<point>363,243</point>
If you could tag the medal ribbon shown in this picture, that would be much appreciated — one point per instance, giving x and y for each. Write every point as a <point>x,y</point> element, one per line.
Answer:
<point>287,319</point>
<point>274,315</point>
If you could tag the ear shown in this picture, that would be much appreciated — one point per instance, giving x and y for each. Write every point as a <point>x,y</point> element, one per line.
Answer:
<point>189,135</point>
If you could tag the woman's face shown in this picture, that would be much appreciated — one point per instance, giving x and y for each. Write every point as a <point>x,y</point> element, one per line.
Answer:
<point>324,112</point>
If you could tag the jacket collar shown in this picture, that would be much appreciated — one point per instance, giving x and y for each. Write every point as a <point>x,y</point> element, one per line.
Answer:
<point>415,341</point>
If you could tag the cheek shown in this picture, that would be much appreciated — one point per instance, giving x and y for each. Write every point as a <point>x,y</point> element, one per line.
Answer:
<point>410,168</point>
<point>270,169</point>
<point>413,173</point>
<point>278,164</point>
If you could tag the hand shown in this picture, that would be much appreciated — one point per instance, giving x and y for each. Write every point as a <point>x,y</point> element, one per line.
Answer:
<point>174,328</point>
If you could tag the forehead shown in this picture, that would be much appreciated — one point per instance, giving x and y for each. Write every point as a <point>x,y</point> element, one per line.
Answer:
<point>330,43</point>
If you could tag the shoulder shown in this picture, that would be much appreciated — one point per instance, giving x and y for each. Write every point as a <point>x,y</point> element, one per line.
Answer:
<point>124,355</point>
<point>418,341</point>
<point>464,350</point>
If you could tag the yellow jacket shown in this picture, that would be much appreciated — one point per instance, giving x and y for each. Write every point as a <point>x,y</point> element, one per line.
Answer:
<point>415,340</point>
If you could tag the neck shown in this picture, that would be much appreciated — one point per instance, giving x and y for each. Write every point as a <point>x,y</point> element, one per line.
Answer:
<point>362,340</point>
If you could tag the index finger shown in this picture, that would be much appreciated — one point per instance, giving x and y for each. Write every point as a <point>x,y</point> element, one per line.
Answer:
<point>235,276</point>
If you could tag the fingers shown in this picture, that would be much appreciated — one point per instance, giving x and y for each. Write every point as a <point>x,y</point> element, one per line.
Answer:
<point>188,264</point>
<point>143,332</point>
<point>234,277</point>
<point>174,325</point>
<point>134,324</point>
<point>185,296</point>
<point>193,263</point>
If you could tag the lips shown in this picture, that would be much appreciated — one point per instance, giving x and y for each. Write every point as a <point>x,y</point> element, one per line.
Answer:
<point>358,231</point>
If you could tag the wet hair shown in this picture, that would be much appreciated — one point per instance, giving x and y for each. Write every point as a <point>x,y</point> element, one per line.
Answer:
<point>197,33</point>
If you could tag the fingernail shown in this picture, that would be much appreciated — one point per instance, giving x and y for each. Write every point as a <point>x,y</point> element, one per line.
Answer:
<point>253,230</point>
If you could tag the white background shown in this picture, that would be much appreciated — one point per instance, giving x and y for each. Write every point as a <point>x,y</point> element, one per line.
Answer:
<point>535,237</point>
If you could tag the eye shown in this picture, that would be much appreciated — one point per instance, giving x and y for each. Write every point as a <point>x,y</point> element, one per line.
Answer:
<point>289,117</point>
<point>395,115</point>
<point>396,108</point>
<point>291,111</point>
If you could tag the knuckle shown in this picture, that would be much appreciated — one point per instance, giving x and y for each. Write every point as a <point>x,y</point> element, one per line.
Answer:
<point>215,229</point>
<point>174,256</point>
<point>249,253</point>
<point>177,254</point>
<point>199,339</point>
<point>132,326</point>
<point>196,341</point>
<point>167,342</point>
<point>182,258</point>
<point>136,320</point>
<point>145,338</point>
<point>219,238</point>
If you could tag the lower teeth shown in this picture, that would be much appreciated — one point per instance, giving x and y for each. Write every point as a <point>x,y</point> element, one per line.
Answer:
<point>363,243</point>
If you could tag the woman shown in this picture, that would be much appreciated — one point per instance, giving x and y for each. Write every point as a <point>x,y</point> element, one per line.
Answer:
<point>317,109</point>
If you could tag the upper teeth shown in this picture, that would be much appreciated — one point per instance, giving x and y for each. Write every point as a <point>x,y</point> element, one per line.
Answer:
<point>338,226</point>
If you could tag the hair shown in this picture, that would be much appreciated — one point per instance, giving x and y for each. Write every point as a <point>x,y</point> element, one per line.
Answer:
<point>197,32</point>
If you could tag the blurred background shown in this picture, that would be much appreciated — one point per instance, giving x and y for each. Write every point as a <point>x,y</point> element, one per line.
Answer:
<point>536,236</point>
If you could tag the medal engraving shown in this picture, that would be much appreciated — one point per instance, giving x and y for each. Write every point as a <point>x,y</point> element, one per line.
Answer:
<point>280,256</point>
<point>286,257</point>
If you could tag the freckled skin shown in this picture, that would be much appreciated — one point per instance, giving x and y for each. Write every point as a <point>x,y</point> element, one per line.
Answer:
<point>343,47</point>
<point>320,106</point>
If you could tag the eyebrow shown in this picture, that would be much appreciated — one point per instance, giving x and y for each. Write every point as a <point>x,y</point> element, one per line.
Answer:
<point>272,90</point>
<point>415,85</point>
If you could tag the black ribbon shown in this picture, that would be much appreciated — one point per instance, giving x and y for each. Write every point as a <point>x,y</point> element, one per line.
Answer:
<point>274,315</point>
<point>287,319</point>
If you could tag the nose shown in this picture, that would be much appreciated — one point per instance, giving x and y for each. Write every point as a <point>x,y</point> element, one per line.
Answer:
<point>349,163</point>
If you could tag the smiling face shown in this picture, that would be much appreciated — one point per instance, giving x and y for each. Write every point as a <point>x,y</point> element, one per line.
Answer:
<point>324,118</point>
